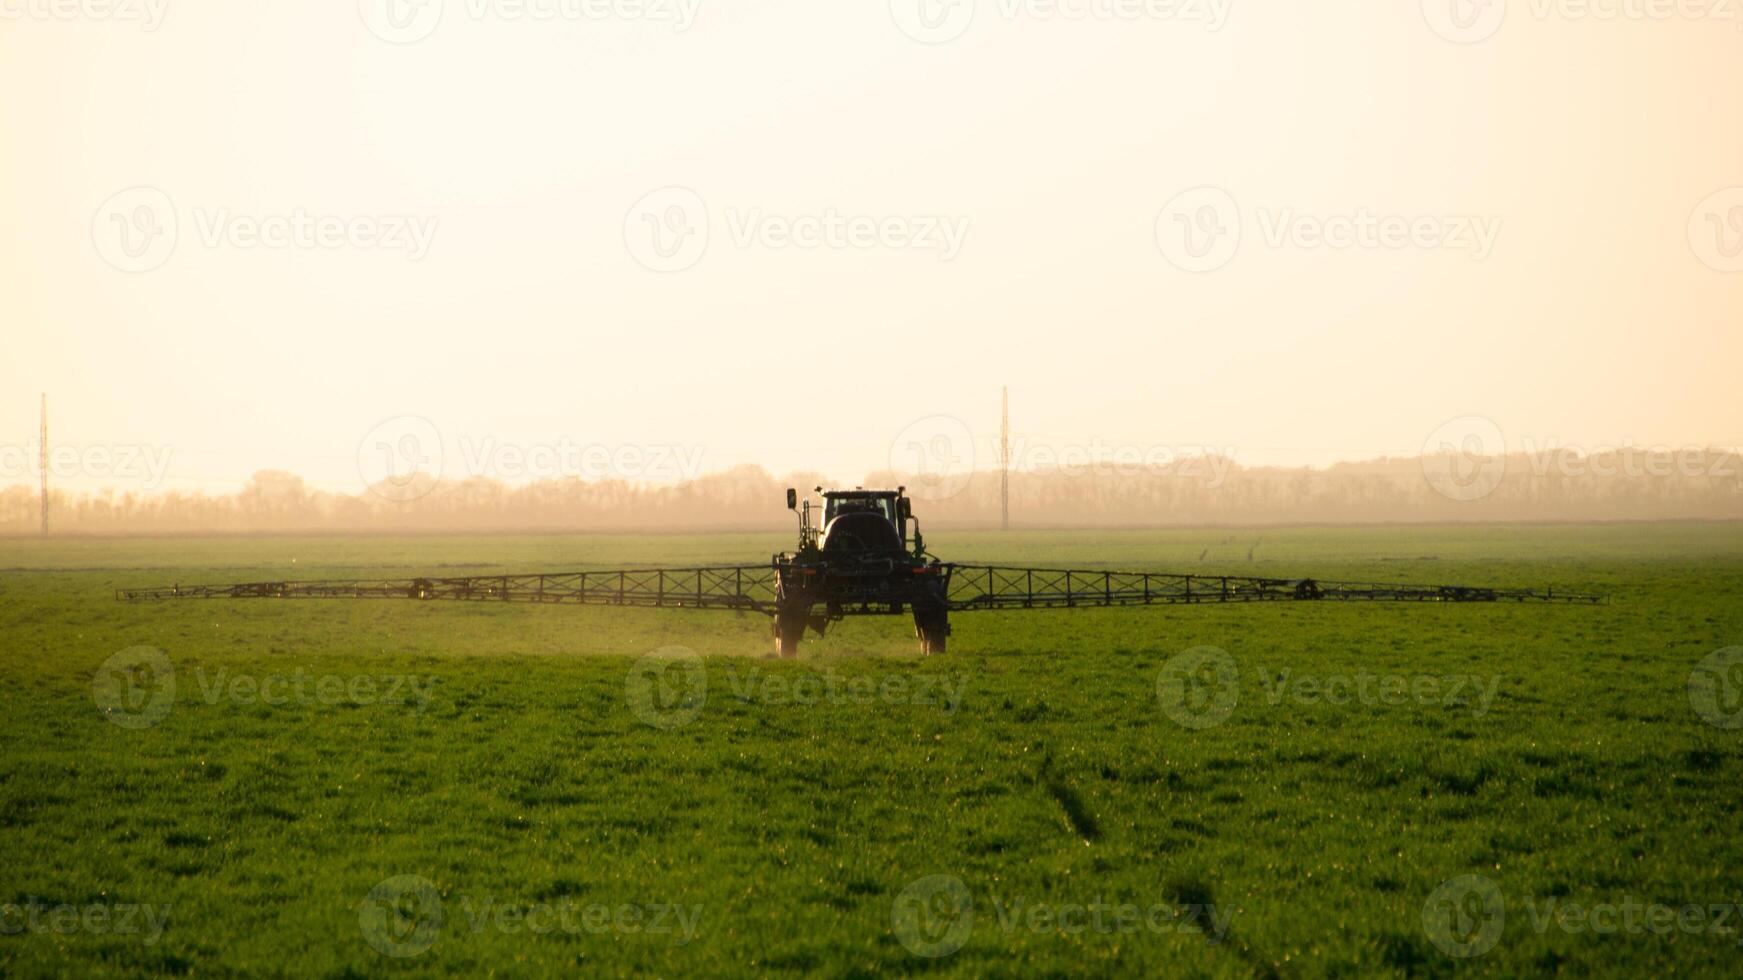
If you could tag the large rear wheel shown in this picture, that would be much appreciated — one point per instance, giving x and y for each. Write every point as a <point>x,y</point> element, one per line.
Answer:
<point>933,629</point>
<point>789,629</point>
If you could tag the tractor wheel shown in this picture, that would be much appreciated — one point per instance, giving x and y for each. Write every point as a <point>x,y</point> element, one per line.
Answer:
<point>788,631</point>
<point>933,629</point>
<point>932,641</point>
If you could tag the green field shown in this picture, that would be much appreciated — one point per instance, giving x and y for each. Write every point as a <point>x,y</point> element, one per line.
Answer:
<point>368,788</point>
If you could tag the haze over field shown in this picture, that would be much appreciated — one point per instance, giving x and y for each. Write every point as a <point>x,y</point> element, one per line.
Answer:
<point>778,234</point>
<point>1200,491</point>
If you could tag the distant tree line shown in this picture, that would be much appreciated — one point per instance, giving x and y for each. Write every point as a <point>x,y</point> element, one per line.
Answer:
<point>1627,485</point>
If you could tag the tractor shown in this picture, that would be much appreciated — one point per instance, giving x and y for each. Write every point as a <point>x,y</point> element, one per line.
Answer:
<point>860,553</point>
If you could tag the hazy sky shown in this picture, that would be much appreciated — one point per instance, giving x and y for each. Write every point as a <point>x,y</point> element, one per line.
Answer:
<point>780,232</point>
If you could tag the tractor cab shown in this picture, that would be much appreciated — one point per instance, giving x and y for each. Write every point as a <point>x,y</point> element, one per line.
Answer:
<point>837,503</point>
<point>857,521</point>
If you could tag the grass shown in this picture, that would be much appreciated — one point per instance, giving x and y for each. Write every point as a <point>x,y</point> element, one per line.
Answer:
<point>729,815</point>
